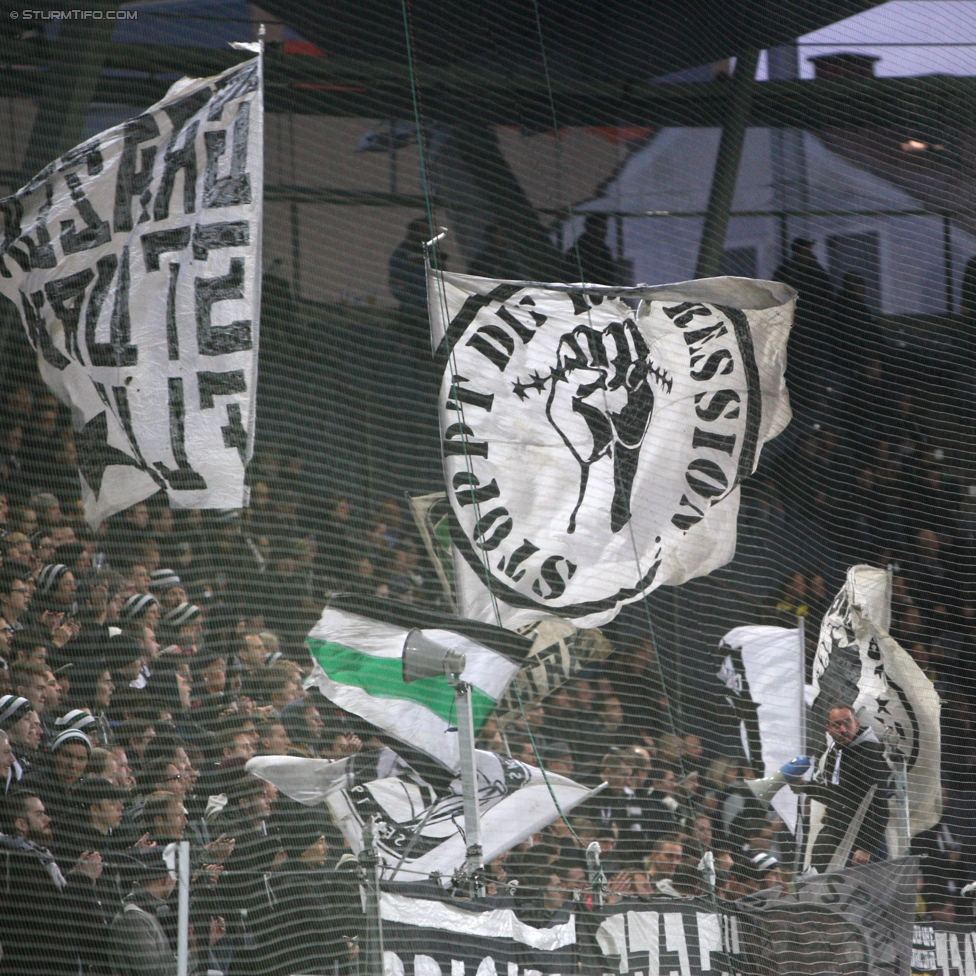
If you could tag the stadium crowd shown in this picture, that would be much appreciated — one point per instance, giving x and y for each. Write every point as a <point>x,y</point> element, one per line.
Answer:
<point>145,662</point>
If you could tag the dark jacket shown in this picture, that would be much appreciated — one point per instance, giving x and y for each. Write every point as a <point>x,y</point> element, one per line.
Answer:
<point>49,921</point>
<point>305,920</point>
<point>848,773</point>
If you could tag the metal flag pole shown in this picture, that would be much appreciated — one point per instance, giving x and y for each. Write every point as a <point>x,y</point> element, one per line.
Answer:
<point>799,833</point>
<point>899,768</point>
<point>424,658</point>
<point>474,859</point>
<point>369,886</point>
<point>183,909</point>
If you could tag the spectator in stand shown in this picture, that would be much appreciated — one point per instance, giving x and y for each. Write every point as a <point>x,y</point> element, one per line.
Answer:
<point>167,587</point>
<point>662,862</point>
<point>24,730</point>
<point>182,628</point>
<point>14,597</point>
<point>61,902</point>
<point>8,772</point>
<point>140,946</point>
<point>93,823</point>
<point>53,782</point>
<point>304,726</point>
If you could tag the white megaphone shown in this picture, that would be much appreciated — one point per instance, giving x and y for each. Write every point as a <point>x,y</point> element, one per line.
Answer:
<point>792,772</point>
<point>765,789</point>
<point>424,658</point>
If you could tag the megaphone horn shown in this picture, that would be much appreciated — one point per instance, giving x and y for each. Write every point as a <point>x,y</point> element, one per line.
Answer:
<point>765,789</point>
<point>424,658</point>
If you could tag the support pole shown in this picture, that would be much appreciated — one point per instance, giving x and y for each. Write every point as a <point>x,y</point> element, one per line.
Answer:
<point>474,859</point>
<point>799,833</point>
<point>727,167</point>
<point>183,909</point>
<point>372,963</point>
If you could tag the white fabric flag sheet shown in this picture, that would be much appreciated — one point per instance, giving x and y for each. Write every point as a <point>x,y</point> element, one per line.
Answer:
<point>594,438</point>
<point>134,263</point>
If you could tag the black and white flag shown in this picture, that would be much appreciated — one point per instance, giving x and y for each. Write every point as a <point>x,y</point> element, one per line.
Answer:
<point>134,264</point>
<point>416,825</point>
<point>763,674</point>
<point>594,438</point>
<point>859,664</point>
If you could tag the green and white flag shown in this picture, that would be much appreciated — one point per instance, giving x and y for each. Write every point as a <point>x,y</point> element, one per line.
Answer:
<point>359,667</point>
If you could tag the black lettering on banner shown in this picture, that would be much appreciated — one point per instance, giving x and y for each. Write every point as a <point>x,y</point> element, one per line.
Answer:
<point>715,406</point>
<point>699,469</point>
<point>580,303</point>
<point>172,332</point>
<point>473,495</point>
<point>517,558</point>
<point>496,355</point>
<point>697,339</point>
<point>96,232</point>
<point>482,527</point>
<point>159,242</point>
<point>134,180</point>
<point>175,160</point>
<point>716,442</point>
<point>117,351</point>
<point>235,189</point>
<point>685,522</point>
<point>682,314</point>
<point>180,112</point>
<point>553,578</point>
<point>220,340</point>
<point>13,212</point>
<point>66,296</point>
<point>208,237</point>
<point>219,384</point>
<point>712,364</point>
<point>100,353</point>
<point>183,478</point>
<point>237,85</point>
<point>523,331</point>
<point>37,331</point>
<point>461,395</point>
<point>40,253</point>
<point>464,447</point>
<point>124,416</point>
<point>95,453</point>
<point>89,153</point>
<point>235,435</point>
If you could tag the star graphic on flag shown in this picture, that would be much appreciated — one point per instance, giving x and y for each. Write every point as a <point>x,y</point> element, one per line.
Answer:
<point>95,454</point>
<point>536,382</point>
<point>883,706</point>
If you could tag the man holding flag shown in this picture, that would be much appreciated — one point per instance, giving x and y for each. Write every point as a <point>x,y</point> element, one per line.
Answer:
<point>851,774</point>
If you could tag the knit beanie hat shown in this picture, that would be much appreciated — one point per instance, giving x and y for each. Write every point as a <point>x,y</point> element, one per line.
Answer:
<point>137,605</point>
<point>71,735</point>
<point>77,718</point>
<point>12,709</point>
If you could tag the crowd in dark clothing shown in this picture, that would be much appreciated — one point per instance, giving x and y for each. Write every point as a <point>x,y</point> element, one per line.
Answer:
<point>146,661</point>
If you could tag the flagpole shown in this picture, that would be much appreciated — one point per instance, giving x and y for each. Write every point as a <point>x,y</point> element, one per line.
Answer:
<point>798,834</point>
<point>474,861</point>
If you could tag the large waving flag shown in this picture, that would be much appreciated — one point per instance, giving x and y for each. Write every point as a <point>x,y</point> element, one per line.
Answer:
<point>763,672</point>
<point>422,828</point>
<point>359,667</point>
<point>134,264</point>
<point>593,452</point>
<point>860,664</point>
